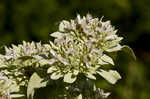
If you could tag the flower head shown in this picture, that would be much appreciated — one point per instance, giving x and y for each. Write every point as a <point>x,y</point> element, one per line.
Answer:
<point>80,47</point>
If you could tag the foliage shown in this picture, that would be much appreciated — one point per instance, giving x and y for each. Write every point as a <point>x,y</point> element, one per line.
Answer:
<point>80,52</point>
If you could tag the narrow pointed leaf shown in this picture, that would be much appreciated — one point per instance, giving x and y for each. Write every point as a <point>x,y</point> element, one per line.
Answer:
<point>101,62</point>
<point>107,59</point>
<point>117,48</point>
<point>57,34</point>
<point>16,95</point>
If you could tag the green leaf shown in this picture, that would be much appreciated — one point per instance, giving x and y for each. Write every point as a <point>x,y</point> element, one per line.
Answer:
<point>57,34</point>
<point>111,76</point>
<point>34,83</point>
<point>89,75</point>
<point>56,75</point>
<point>129,51</point>
<point>51,69</point>
<point>69,78</point>
<point>107,59</point>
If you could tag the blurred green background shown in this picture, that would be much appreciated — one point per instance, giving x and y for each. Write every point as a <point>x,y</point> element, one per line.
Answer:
<point>35,19</point>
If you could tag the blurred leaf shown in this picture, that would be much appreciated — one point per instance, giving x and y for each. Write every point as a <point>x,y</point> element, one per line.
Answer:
<point>107,59</point>
<point>129,51</point>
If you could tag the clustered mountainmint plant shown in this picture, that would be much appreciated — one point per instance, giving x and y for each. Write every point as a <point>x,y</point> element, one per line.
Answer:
<point>71,62</point>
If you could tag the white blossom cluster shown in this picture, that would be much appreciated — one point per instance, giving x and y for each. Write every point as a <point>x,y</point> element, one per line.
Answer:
<point>77,56</point>
<point>7,87</point>
<point>25,49</point>
<point>15,62</point>
<point>80,46</point>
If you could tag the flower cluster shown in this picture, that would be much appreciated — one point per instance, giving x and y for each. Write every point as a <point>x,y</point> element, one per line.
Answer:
<point>26,49</point>
<point>77,56</point>
<point>7,87</point>
<point>17,63</point>
<point>80,47</point>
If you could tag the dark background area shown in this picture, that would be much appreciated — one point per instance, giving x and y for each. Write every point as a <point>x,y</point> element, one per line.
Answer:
<point>34,20</point>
